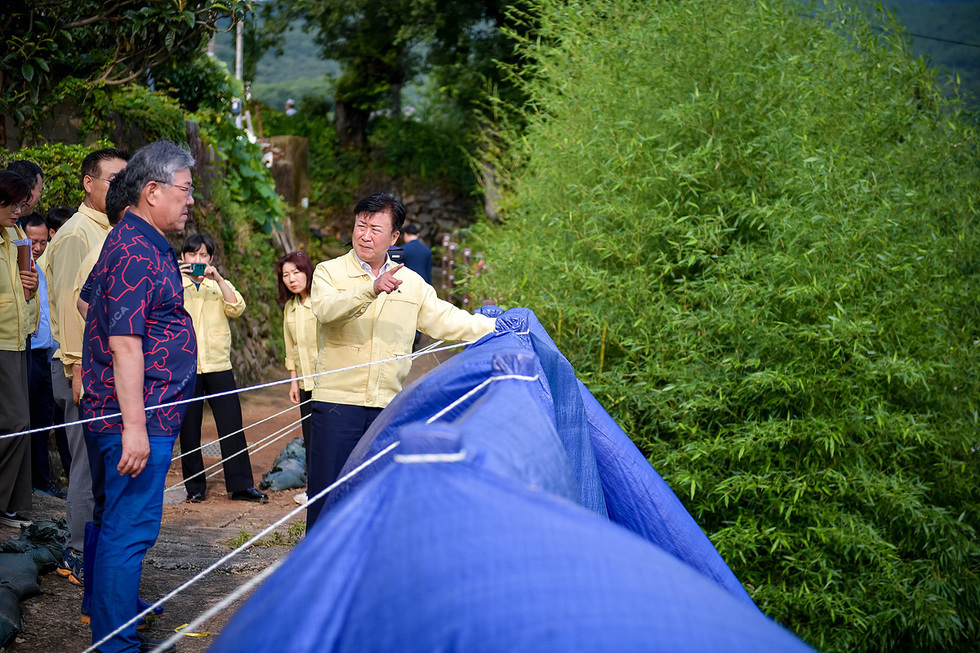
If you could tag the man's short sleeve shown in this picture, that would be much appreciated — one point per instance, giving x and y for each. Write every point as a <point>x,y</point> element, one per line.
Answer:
<point>128,294</point>
<point>86,292</point>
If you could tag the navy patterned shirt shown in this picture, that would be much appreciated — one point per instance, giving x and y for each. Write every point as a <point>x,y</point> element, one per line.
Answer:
<point>135,289</point>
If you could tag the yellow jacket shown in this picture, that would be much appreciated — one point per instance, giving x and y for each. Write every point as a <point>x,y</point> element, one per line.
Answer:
<point>88,263</point>
<point>210,312</point>
<point>299,332</point>
<point>84,231</point>
<point>18,317</point>
<point>357,326</point>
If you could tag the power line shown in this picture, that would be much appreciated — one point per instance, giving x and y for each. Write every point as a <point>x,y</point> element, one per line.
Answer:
<point>942,40</point>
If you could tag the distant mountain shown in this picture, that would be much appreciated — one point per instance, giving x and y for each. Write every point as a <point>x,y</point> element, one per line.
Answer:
<point>300,71</point>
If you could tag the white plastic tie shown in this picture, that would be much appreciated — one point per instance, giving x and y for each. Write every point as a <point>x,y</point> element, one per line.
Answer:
<point>430,457</point>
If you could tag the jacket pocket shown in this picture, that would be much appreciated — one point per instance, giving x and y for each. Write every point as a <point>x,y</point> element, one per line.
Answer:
<point>400,318</point>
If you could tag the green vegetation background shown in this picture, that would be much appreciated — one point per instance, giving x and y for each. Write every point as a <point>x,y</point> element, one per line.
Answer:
<point>301,71</point>
<point>755,236</point>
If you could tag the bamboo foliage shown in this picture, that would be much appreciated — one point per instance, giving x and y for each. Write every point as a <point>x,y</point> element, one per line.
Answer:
<point>757,227</point>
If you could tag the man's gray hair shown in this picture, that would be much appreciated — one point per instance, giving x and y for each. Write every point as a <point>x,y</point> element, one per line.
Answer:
<point>158,162</point>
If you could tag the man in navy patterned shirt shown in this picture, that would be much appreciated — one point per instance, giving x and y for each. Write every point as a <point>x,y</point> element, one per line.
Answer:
<point>139,352</point>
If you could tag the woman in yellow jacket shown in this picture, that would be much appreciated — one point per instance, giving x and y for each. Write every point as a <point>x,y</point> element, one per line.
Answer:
<point>211,300</point>
<point>18,319</point>
<point>295,274</point>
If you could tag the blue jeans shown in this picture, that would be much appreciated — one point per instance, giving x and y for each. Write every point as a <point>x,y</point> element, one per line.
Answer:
<point>130,525</point>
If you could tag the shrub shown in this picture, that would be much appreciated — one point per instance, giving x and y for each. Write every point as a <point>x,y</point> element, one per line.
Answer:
<point>248,261</point>
<point>754,232</point>
<point>62,166</point>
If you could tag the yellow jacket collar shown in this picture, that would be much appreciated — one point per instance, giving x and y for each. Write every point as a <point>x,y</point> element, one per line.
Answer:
<point>98,216</point>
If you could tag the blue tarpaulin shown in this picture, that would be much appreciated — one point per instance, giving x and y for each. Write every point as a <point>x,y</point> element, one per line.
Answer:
<point>513,515</point>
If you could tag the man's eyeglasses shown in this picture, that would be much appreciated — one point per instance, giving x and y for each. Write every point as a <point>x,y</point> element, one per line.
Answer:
<point>187,189</point>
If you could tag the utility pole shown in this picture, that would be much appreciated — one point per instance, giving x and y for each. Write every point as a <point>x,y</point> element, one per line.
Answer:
<point>236,106</point>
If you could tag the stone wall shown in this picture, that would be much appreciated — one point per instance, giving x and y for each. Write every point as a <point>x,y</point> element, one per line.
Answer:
<point>437,211</point>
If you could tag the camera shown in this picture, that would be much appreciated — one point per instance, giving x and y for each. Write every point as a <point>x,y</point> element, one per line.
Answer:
<point>197,269</point>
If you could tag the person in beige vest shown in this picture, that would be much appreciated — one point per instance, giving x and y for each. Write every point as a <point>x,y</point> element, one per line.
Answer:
<point>299,327</point>
<point>211,301</point>
<point>18,319</point>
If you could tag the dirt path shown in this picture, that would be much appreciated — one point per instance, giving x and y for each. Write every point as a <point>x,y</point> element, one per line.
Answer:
<point>192,537</point>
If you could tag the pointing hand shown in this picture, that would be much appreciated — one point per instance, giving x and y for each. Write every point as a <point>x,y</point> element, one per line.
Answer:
<point>387,281</point>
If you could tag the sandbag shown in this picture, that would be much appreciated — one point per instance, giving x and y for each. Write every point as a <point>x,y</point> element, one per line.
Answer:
<point>18,573</point>
<point>44,541</point>
<point>38,553</point>
<point>286,475</point>
<point>10,621</point>
<point>289,469</point>
<point>292,451</point>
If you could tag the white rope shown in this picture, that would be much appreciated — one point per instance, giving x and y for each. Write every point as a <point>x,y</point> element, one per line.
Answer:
<point>241,430</point>
<point>221,605</point>
<point>259,578</point>
<point>416,354</point>
<point>517,377</point>
<point>289,428</point>
<point>261,386</point>
<point>251,448</point>
<point>243,547</point>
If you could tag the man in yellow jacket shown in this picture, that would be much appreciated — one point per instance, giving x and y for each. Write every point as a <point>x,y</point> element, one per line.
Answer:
<point>212,300</point>
<point>83,232</point>
<point>369,310</point>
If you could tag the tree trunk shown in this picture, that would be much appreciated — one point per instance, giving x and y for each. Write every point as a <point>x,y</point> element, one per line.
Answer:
<point>351,124</point>
<point>3,119</point>
<point>396,101</point>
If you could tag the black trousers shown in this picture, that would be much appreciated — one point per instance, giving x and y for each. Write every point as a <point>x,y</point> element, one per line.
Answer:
<point>227,412</point>
<point>44,412</point>
<point>15,416</point>
<point>337,428</point>
<point>305,410</point>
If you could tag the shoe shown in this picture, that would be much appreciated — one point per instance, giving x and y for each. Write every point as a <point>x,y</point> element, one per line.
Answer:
<point>197,497</point>
<point>251,494</point>
<point>15,520</point>
<point>52,490</point>
<point>143,605</point>
<point>148,644</point>
<point>301,498</point>
<point>71,568</point>
<point>140,625</point>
